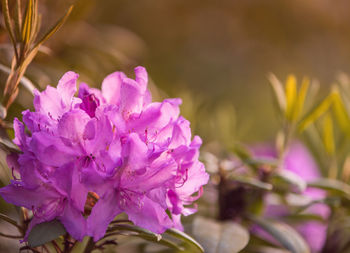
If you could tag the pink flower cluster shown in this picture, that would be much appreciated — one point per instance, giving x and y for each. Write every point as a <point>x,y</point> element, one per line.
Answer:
<point>136,156</point>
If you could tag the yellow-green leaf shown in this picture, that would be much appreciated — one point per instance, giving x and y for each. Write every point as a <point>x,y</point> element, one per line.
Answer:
<point>291,96</point>
<point>28,22</point>
<point>328,136</point>
<point>341,113</point>
<point>54,29</point>
<point>278,92</point>
<point>8,24</point>
<point>301,98</point>
<point>316,112</point>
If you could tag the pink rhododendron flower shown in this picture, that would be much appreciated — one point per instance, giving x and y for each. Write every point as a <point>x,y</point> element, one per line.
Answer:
<point>299,161</point>
<point>138,157</point>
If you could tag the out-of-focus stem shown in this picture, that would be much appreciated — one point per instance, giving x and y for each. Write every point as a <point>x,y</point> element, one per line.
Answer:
<point>90,246</point>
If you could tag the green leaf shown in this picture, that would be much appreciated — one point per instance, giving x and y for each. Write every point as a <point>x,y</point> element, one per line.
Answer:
<point>9,220</point>
<point>332,185</point>
<point>185,237</point>
<point>298,184</point>
<point>251,182</point>
<point>303,217</point>
<point>28,21</point>
<point>144,234</point>
<point>284,234</point>
<point>45,232</point>
<point>316,112</point>
<point>301,98</point>
<point>328,135</point>
<point>220,237</point>
<point>18,19</point>
<point>6,142</point>
<point>8,24</point>
<point>24,80</point>
<point>340,111</point>
<point>54,29</point>
<point>291,96</point>
<point>278,92</point>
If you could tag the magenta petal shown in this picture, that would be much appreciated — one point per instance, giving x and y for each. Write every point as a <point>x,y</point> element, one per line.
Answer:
<point>62,179</point>
<point>20,137</point>
<point>51,150</point>
<point>20,196</point>
<point>149,215</point>
<point>141,77</point>
<point>67,86</point>
<point>111,87</point>
<point>131,97</point>
<point>135,153</point>
<point>156,116</point>
<point>181,134</point>
<point>137,156</point>
<point>74,222</point>
<point>71,125</point>
<point>102,214</point>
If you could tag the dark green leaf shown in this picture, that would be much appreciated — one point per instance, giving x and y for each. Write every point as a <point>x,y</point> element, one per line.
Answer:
<point>45,232</point>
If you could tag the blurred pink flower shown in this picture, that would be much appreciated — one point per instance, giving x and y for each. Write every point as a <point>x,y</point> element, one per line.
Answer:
<point>299,161</point>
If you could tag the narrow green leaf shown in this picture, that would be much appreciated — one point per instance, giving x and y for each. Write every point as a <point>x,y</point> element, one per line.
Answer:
<point>278,92</point>
<point>316,112</point>
<point>304,217</point>
<point>45,232</point>
<point>55,28</point>
<point>284,234</point>
<point>144,234</point>
<point>9,220</point>
<point>133,228</point>
<point>298,184</point>
<point>8,24</point>
<point>27,22</point>
<point>291,96</point>
<point>251,182</point>
<point>332,185</point>
<point>341,113</point>
<point>18,20</point>
<point>328,135</point>
<point>185,237</point>
<point>27,84</point>
<point>301,98</point>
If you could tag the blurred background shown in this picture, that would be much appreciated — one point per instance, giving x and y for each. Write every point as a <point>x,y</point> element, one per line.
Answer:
<point>214,54</point>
